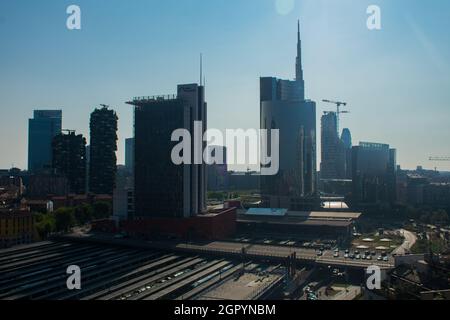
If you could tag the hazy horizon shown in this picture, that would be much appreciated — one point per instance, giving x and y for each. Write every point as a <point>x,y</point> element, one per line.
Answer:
<point>395,80</point>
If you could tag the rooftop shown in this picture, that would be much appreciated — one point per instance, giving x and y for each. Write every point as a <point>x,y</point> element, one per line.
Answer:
<point>373,145</point>
<point>266,212</point>
<point>304,218</point>
<point>147,99</point>
<point>241,288</point>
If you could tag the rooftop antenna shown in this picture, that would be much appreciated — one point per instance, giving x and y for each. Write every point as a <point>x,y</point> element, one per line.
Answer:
<point>201,68</point>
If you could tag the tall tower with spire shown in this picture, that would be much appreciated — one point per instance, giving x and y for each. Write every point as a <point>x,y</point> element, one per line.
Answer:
<point>298,64</point>
<point>283,107</point>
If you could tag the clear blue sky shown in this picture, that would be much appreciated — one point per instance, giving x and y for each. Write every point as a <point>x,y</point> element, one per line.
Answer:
<point>396,80</point>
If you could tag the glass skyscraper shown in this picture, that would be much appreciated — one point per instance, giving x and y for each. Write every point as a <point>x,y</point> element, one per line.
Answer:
<point>45,125</point>
<point>333,151</point>
<point>129,154</point>
<point>283,107</point>
<point>374,173</point>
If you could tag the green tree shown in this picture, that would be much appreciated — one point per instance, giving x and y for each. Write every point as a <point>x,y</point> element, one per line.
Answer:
<point>425,218</point>
<point>83,214</point>
<point>44,224</point>
<point>412,213</point>
<point>64,219</point>
<point>102,210</point>
<point>439,218</point>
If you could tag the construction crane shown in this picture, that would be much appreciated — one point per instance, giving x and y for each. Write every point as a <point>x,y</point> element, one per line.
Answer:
<point>436,159</point>
<point>439,158</point>
<point>338,110</point>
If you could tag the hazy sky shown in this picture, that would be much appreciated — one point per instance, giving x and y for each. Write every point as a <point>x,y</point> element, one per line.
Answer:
<point>396,80</point>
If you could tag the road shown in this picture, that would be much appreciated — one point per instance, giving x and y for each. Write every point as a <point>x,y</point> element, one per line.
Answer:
<point>252,250</point>
<point>410,240</point>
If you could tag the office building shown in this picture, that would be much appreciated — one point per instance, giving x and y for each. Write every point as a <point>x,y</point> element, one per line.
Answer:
<point>332,166</point>
<point>129,154</point>
<point>43,186</point>
<point>415,189</point>
<point>163,189</point>
<point>69,160</point>
<point>123,197</point>
<point>244,180</point>
<point>102,153</point>
<point>373,174</point>
<point>217,172</point>
<point>11,191</point>
<point>437,195</point>
<point>346,138</point>
<point>283,107</point>
<point>88,165</point>
<point>44,126</point>
<point>17,227</point>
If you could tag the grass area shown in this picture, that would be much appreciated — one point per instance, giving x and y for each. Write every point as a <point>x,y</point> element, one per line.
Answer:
<point>396,241</point>
<point>247,197</point>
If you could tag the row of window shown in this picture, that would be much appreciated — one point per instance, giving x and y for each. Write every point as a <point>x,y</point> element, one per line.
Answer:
<point>14,225</point>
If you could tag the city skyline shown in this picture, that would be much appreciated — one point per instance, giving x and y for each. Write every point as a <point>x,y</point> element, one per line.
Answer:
<point>77,70</point>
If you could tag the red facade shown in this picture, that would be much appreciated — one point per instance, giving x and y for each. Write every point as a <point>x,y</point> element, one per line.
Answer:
<point>210,226</point>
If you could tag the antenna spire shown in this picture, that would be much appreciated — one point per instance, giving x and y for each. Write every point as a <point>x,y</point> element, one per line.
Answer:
<point>201,68</point>
<point>298,67</point>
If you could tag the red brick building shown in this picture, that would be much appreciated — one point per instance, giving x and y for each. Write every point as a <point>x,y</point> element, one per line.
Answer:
<point>214,225</point>
<point>74,200</point>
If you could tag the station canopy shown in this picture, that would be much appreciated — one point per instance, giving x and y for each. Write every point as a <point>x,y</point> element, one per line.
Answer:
<point>269,212</point>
